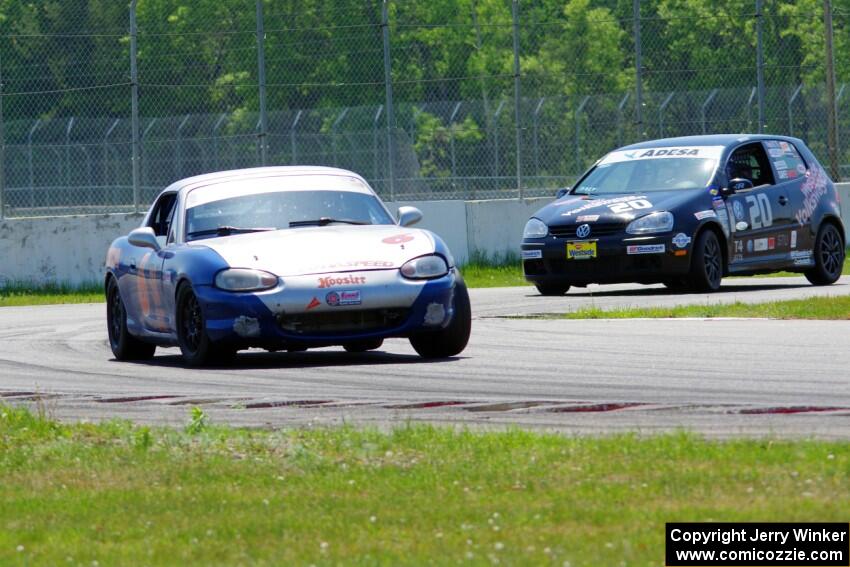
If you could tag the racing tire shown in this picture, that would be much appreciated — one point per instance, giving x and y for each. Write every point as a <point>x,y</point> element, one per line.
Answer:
<point>707,263</point>
<point>829,256</point>
<point>363,346</point>
<point>453,339</point>
<point>124,345</point>
<point>552,289</point>
<point>192,337</point>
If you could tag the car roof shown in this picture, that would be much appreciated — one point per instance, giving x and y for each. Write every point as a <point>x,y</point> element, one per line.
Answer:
<point>206,179</point>
<point>724,140</point>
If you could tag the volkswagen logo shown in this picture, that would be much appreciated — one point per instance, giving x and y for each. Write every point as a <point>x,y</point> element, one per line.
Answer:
<point>583,231</point>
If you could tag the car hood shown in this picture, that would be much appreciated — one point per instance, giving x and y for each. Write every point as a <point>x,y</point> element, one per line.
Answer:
<point>326,249</point>
<point>618,208</point>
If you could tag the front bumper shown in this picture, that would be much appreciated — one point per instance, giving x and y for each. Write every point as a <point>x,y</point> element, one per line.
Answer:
<point>302,312</point>
<point>545,260</point>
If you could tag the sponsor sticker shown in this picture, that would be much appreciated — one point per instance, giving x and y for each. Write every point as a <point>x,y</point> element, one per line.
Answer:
<point>771,243</point>
<point>739,246</point>
<point>645,249</point>
<point>792,173</point>
<point>313,303</point>
<point>717,203</point>
<point>749,246</point>
<point>587,218</point>
<point>775,152</point>
<point>780,164</point>
<point>531,254</point>
<point>711,152</point>
<point>581,250</point>
<point>760,244</point>
<point>397,239</point>
<point>344,280</point>
<point>705,215</point>
<point>793,239</point>
<point>624,203</point>
<point>801,169</point>
<point>346,297</point>
<point>772,144</point>
<point>738,209</point>
<point>813,189</point>
<point>681,240</point>
<point>783,173</point>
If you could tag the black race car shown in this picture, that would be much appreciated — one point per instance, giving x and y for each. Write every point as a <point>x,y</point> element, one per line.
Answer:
<point>686,212</point>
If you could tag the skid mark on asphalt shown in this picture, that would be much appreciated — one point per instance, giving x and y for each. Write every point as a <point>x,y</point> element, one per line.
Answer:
<point>295,410</point>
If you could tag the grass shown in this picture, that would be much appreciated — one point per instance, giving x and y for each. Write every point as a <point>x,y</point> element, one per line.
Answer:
<point>811,308</point>
<point>121,494</point>
<point>12,295</point>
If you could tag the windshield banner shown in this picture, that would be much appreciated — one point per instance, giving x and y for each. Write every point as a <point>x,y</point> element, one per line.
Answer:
<point>710,152</point>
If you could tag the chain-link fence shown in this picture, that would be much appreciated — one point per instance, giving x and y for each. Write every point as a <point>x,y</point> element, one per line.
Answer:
<point>104,104</point>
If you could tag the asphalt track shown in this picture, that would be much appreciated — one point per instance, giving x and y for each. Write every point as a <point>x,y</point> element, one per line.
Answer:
<point>719,377</point>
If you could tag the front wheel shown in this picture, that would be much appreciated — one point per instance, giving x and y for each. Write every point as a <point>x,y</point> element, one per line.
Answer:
<point>192,337</point>
<point>124,345</point>
<point>707,263</point>
<point>451,340</point>
<point>829,256</point>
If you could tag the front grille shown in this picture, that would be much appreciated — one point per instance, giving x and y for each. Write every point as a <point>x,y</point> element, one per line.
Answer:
<point>342,321</point>
<point>596,229</point>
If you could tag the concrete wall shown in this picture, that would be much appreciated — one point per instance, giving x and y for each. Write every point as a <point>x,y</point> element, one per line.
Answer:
<point>72,249</point>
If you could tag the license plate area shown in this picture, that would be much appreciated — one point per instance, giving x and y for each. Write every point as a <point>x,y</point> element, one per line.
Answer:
<point>581,249</point>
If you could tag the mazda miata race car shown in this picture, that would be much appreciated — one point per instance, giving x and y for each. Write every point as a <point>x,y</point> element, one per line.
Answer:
<point>686,212</point>
<point>281,258</point>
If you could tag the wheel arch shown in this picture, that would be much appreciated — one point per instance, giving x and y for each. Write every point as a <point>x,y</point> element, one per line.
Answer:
<point>835,220</point>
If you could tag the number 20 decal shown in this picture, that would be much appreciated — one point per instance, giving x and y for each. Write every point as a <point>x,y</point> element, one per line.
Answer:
<point>629,205</point>
<point>761,215</point>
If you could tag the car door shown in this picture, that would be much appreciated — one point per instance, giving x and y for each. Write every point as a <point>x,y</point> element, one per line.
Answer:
<point>760,216</point>
<point>791,173</point>
<point>150,268</point>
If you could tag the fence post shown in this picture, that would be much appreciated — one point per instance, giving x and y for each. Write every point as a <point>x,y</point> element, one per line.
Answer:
<point>388,83</point>
<point>760,64</point>
<point>517,99</point>
<point>638,72</point>
<point>832,102</point>
<point>2,156</point>
<point>134,104</point>
<point>261,72</point>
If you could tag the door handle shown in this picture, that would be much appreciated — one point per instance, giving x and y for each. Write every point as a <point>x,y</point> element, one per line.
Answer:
<point>783,200</point>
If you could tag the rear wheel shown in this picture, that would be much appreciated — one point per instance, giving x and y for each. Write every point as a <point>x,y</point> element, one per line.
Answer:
<point>451,340</point>
<point>364,345</point>
<point>124,345</point>
<point>195,344</point>
<point>707,263</point>
<point>829,256</point>
<point>552,289</point>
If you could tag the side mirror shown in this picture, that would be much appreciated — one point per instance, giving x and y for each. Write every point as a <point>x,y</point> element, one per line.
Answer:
<point>408,216</point>
<point>144,237</point>
<point>561,192</point>
<point>737,184</point>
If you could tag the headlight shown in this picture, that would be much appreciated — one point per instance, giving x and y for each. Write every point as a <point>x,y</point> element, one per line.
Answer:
<point>653,222</point>
<point>424,267</point>
<point>535,228</point>
<point>244,279</point>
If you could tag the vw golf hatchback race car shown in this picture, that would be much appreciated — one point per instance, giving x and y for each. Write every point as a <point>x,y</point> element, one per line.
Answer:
<point>280,258</point>
<point>686,212</point>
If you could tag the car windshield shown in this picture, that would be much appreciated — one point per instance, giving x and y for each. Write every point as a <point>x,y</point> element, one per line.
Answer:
<point>273,210</point>
<point>628,172</point>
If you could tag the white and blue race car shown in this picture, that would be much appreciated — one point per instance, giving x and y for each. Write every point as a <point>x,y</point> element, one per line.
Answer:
<point>280,258</point>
